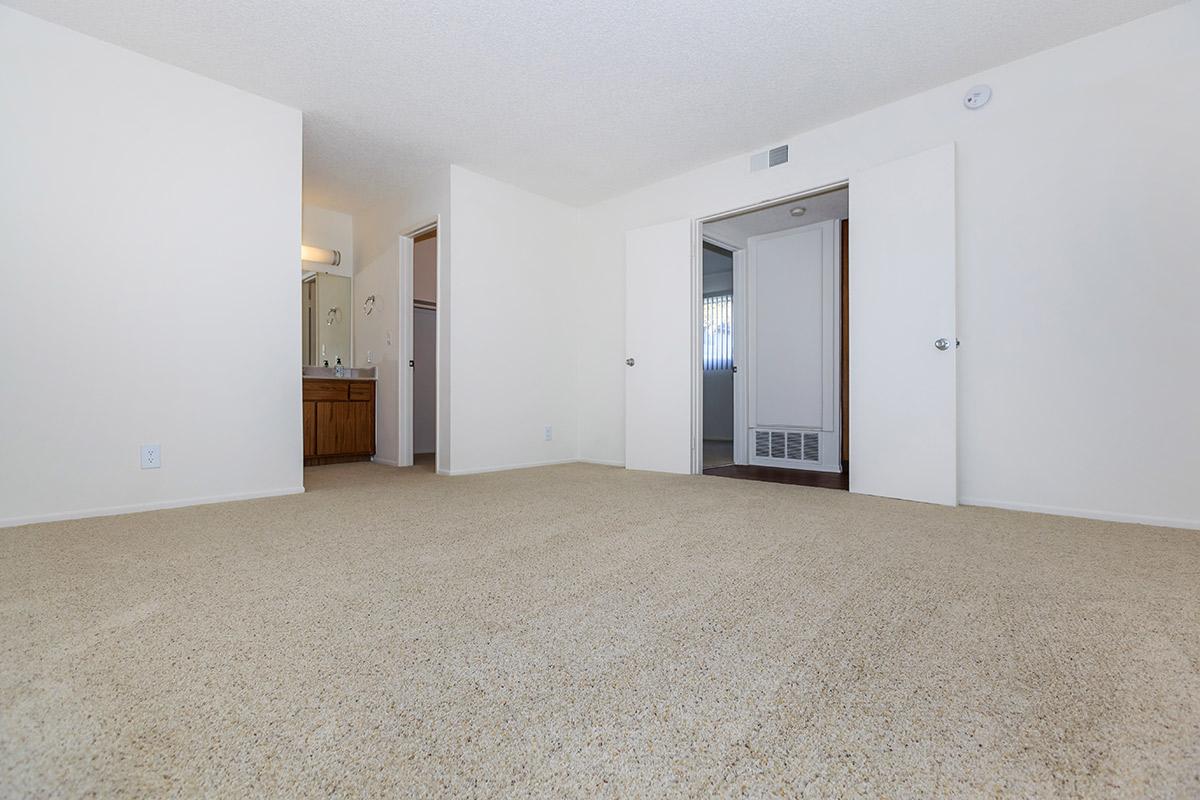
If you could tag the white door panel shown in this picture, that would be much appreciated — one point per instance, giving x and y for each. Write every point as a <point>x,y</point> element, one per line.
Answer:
<point>740,359</point>
<point>903,406</point>
<point>424,380</point>
<point>789,332</point>
<point>794,348</point>
<point>658,338</point>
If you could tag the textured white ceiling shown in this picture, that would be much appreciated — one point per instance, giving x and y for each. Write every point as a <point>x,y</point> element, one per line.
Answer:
<point>818,208</point>
<point>581,99</point>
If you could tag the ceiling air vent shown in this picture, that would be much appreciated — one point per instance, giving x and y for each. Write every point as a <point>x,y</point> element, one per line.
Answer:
<point>769,158</point>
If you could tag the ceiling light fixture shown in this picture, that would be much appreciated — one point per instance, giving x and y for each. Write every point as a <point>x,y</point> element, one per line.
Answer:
<point>798,211</point>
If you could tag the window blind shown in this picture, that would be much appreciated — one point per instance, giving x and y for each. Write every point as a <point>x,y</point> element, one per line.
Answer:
<point>718,332</point>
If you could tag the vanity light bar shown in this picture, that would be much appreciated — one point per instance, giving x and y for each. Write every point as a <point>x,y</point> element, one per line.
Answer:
<point>319,255</point>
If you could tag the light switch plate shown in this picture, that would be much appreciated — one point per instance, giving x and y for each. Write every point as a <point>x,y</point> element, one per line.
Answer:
<point>151,456</point>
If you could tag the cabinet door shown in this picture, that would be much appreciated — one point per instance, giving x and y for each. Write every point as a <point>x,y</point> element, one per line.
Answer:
<point>334,430</point>
<point>345,429</point>
<point>362,424</point>
<point>310,429</point>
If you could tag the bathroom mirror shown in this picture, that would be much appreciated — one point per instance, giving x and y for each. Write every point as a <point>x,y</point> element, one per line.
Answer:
<point>325,319</point>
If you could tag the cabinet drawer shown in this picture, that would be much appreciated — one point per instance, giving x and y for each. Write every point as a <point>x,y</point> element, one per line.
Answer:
<point>362,391</point>
<point>325,390</point>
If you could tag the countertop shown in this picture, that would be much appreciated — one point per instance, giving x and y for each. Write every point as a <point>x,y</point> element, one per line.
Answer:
<point>349,374</point>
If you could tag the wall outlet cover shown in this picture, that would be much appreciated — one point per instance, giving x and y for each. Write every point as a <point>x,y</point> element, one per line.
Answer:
<point>151,456</point>
<point>549,433</point>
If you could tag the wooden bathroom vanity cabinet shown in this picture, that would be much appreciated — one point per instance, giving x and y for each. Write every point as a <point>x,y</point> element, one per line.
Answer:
<point>339,420</point>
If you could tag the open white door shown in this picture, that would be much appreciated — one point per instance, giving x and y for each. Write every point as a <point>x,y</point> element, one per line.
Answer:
<point>405,320</point>
<point>903,397</point>
<point>659,298</point>
<point>741,449</point>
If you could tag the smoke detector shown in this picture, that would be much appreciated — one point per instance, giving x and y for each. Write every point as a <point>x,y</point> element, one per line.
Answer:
<point>977,96</point>
<point>798,211</point>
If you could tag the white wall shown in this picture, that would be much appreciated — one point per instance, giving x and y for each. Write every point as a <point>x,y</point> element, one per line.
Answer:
<point>377,253</point>
<point>132,196</point>
<point>377,344</point>
<point>332,230</point>
<point>508,370</point>
<point>513,348</point>
<point>718,404</point>
<point>1078,191</point>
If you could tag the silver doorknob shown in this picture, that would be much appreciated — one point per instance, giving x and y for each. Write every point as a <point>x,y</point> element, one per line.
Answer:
<point>942,344</point>
<point>629,362</point>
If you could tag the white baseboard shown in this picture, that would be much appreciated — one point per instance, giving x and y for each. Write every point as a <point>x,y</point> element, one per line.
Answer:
<point>531,465</point>
<point>135,508</point>
<point>507,467</point>
<point>1085,513</point>
<point>385,461</point>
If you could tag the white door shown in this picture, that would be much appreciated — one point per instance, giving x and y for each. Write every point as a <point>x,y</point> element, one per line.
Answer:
<point>740,359</point>
<point>405,320</point>
<point>793,302</point>
<point>659,335</point>
<point>424,380</point>
<point>903,407</point>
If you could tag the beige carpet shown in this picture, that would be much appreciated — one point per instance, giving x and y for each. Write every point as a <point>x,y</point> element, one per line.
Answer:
<point>583,631</point>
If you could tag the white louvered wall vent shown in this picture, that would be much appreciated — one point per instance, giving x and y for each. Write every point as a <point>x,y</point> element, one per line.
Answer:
<point>788,445</point>
<point>769,158</point>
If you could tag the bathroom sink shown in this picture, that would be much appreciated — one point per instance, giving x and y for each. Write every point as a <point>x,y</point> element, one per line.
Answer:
<point>348,373</point>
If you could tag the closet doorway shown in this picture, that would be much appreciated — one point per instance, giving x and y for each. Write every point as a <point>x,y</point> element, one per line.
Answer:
<point>775,342</point>
<point>424,348</point>
<point>903,404</point>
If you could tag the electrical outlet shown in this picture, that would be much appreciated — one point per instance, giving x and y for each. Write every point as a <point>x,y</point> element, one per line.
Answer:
<point>549,432</point>
<point>151,456</point>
